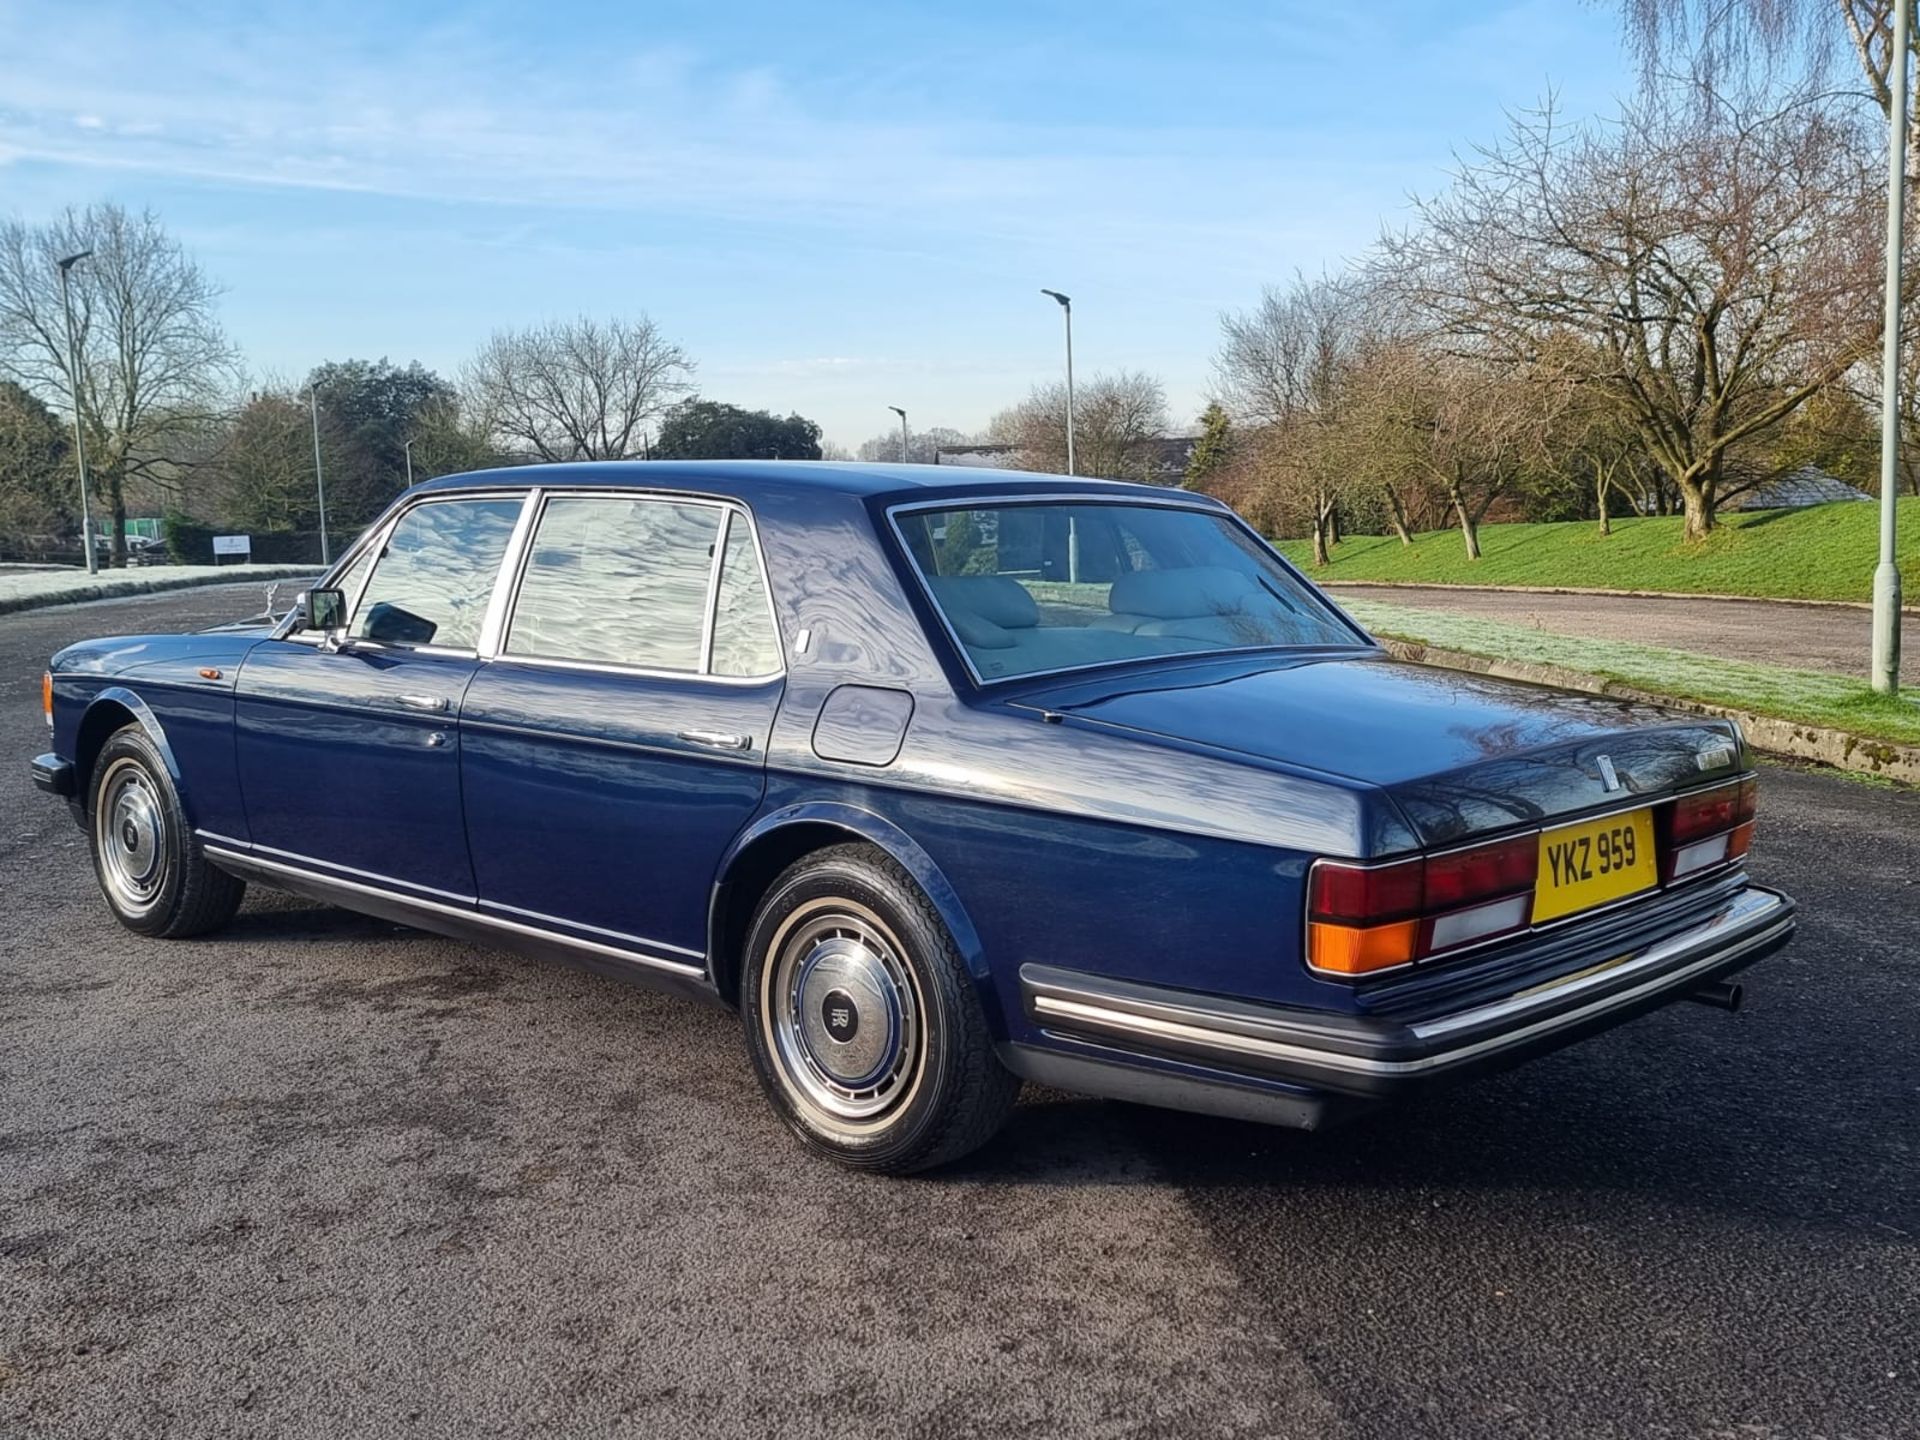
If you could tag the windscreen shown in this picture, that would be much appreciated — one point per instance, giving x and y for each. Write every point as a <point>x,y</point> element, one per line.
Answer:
<point>1029,588</point>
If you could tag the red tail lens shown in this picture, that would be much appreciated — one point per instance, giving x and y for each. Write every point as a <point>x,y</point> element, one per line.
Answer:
<point>1362,895</point>
<point>1469,875</point>
<point>1709,812</point>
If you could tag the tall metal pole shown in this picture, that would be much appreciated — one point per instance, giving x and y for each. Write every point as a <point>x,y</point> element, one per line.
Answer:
<point>79,430</point>
<point>319,480</point>
<point>1886,575</point>
<point>1066,305</point>
<point>408,447</point>
<point>903,431</point>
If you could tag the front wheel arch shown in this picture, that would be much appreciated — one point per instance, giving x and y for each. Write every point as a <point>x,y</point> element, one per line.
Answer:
<point>114,709</point>
<point>775,841</point>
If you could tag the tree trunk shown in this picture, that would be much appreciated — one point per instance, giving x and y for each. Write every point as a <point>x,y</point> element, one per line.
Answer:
<point>1469,527</point>
<point>1333,523</point>
<point>1600,489</point>
<point>1397,514</point>
<point>1697,493</point>
<point>1319,543</point>
<point>117,510</point>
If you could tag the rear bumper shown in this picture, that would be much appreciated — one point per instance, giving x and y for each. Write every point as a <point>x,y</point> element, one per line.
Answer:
<point>54,775</point>
<point>1313,1054</point>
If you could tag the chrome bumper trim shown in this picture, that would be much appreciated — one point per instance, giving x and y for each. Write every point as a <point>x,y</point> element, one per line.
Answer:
<point>1301,1041</point>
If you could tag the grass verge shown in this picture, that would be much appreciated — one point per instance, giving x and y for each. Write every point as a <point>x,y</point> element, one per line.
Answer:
<point>1826,553</point>
<point>1808,696</point>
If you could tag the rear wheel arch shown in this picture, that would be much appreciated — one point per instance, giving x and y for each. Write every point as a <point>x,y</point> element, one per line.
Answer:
<point>766,850</point>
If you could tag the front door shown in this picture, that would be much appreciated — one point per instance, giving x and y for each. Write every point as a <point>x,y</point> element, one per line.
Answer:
<point>351,758</point>
<point>617,743</point>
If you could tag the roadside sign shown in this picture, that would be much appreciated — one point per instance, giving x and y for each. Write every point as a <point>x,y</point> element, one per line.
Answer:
<point>241,545</point>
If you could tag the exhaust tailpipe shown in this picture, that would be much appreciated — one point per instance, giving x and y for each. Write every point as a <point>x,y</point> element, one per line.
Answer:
<point>1721,994</point>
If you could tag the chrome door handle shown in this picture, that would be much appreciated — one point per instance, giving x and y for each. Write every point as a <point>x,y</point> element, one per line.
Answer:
<point>717,739</point>
<point>434,704</point>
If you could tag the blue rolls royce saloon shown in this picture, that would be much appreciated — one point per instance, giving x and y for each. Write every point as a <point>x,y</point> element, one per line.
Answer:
<point>943,780</point>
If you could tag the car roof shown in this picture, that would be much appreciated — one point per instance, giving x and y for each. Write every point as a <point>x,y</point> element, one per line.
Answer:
<point>747,480</point>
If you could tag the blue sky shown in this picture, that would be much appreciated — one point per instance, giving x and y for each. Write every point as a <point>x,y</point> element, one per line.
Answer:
<point>835,208</point>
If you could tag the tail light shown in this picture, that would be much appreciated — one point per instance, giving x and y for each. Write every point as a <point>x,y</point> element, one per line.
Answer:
<point>46,696</point>
<point>1710,827</point>
<point>1366,918</point>
<point>1363,919</point>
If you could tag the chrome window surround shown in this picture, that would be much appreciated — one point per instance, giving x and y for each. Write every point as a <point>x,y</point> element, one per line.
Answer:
<point>513,575</point>
<point>1527,931</point>
<point>506,585</point>
<point>987,501</point>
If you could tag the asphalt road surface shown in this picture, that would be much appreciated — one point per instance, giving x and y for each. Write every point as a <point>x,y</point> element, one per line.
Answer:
<point>322,1176</point>
<point>1774,632</point>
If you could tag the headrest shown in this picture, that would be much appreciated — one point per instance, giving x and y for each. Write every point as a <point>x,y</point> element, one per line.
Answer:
<point>979,633</point>
<point>994,598</point>
<point>1181,594</point>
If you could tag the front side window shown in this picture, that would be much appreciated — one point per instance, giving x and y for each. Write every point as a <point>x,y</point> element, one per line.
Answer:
<point>434,576</point>
<point>618,581</point>
<point>1036,587</point>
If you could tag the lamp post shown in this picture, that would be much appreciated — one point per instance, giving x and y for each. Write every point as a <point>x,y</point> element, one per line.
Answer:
<point>408,448</point>
<point>903,431</point>
<point>1886,575</point>
<point>79,430</point>
<point>319,479</point>
<point>1066,305</point>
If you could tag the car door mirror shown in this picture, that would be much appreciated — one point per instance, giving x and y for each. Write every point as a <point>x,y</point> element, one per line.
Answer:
<point>324,612</point>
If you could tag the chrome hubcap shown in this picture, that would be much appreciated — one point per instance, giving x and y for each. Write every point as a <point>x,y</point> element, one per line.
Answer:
<point>131,835</point>
<point>844,1018</point>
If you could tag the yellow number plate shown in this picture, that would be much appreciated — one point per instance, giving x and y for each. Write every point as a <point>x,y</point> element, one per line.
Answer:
<point>1589,864</point>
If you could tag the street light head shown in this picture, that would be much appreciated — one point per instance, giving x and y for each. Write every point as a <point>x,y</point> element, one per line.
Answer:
<point>898,411</point>
<point>72,260</point>
<point>1066,300</point>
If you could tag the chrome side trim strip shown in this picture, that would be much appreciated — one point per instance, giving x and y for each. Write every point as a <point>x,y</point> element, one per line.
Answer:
<point>1188,1025</point>
<point>467,914</point>
<point>387,882</point>
<point>596,929</point>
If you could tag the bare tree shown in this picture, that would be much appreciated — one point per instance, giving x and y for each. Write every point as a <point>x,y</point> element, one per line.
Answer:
<point>576,389</point>
<point>1709,262</point>
<point>1114,416</point>
<point>154,365</point>
<point>923,446</point>
<point>1283,368</point>
<point>1731,43</point>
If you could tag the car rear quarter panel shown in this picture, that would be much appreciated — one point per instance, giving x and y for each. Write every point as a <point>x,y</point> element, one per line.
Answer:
<point>1063,842</point>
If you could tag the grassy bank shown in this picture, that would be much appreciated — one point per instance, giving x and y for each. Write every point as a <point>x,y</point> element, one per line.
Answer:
<point>1826,553</point>
<point>1810,697</point>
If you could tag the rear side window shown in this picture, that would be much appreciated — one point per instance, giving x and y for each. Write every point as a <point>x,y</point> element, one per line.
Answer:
<point>434,577</point>
<point>618,581</point>
<point>743,636</point>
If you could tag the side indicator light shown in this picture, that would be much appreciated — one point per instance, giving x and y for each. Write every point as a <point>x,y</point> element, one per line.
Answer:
<point>46,696</point>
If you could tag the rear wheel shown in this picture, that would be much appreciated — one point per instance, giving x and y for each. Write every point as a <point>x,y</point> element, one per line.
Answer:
<point>862,1020</point>
<point>153,872</point>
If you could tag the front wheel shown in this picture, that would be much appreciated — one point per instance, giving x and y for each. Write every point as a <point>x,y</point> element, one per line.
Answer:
<point>153,872</point>
<point>862,1020</point>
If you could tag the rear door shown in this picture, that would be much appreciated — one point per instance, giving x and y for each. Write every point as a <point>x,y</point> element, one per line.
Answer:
<point>616,744</point>
<point>350,759</point>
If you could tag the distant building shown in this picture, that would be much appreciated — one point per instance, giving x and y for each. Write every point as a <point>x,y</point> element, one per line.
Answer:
<point>1163,459</point>
<point>1799,490</point>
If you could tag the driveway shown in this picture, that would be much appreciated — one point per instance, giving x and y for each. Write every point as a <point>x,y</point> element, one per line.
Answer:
<point>1777,632</point>
<point>322,1176</point>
